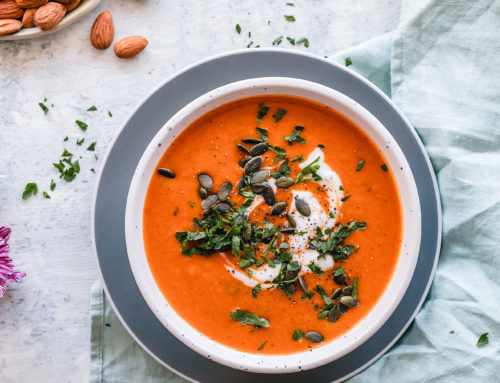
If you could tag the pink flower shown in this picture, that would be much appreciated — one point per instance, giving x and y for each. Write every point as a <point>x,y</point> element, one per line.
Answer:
<point>7,272</point>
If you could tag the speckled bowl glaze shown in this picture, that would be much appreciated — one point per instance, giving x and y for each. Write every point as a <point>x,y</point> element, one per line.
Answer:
<point>329,351</point>
<point>85,7</point>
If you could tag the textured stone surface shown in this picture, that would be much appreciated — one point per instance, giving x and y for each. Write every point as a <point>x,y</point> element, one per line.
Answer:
<point>44,322</point>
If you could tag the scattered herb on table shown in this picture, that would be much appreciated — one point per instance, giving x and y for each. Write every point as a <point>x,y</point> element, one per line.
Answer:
<point>238,28</point>
<point>46,195</point>
<point>278,40</point>
<point>92,109</point>
<point>304,41</point>
<point>348,61</point>
<point>30,189</point>
<point>91,147</point>
<point>52,185</point>
<point>80,141</point>
<point>110,114</point>
<point>44,108</point>
<point>289,18</point>
<point>483,340</point>
<point>291,40</point>
<point>82,125</point>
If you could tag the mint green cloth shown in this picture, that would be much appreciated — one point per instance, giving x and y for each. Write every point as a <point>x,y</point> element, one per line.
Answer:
<point>443,71</point>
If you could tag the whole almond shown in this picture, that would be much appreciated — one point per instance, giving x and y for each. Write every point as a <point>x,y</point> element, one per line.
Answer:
<point>73,5</point>
<point>130,46</point>
<point>10,10</point>
<point>31,3</point>
<point>28,18</point>
<point>103,31</point>
<point>8,26</point>
<point>48,16</point>
<point>65,1</point>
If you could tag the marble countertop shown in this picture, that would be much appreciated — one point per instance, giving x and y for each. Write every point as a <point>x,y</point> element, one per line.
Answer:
<point>44,321</point>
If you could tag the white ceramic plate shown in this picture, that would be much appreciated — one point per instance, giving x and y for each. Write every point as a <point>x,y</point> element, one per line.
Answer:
<point>274,363</point>
<point>30,33</point>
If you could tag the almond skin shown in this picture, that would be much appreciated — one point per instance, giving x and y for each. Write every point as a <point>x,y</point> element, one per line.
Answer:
<point>28,18</point>
<point>31,3</point>
<point>103,31</point>
<point>65,1</point>
<point>130,46</point>
<point>72,5</point>
<point>48,16</point>
<point>10,10</point>
<point>8,26</point>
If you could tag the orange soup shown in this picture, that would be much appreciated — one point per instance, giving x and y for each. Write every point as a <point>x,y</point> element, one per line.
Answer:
<point>280,249</point>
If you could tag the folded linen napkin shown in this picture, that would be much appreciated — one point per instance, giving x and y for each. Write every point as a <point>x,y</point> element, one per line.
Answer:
<point>444,72</point>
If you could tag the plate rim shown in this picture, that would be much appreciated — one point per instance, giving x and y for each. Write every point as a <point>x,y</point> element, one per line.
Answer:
<point>297,53</point>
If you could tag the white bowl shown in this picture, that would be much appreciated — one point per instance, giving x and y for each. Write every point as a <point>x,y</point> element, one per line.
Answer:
<point>29,33</point>
<point>332,350</point>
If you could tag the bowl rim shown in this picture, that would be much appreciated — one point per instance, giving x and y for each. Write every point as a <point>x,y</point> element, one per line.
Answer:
<point>271,361</point>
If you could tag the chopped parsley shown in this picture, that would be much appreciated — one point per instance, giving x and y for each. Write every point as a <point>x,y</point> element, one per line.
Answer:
<point>384,167</point>
<point>238,28</point>
<point>52,185</point>
<point>322,147</point>
<point>483,340</point>
<point>354,293</point>
<point>281,153</point>
<point>315,268</point>
<point>339,271</point>
<point>92,109</point>
<point>348,61</point>
<point>82,125</point>
<point>289,18</point>
<point>91,147</point>
<point>191,203</point>
<point>262,112</point>
<point>262,133</point>
<point>68,169</point>
<point>66,138</point>
<point>110,114</point>
<point>255,290</point>
<point>278,40</point>
<point>30,189</point>
<point>262,345</point>
<point>290,4</point>
<point>310,169</point>
<point>361,163</point>
<point>323,295</point>
<point>346,198</point>
<point>297,335</point>
<point>304,41</point>
<point>279,114</point>
<point>46,195</point>
<point>295,136</point>
<point>80,141</point>
<point>298,159</point>
<point>331,214</point>
<point>250,44</point>
<point>246,317</point>
<point>44,108</point>
<point>291,40</point>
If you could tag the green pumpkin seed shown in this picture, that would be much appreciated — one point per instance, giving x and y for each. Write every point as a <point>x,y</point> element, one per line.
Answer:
<point>223,208</point>
<point>246,234</point>
<point>166,173</point>
<point>243,161</point>
<point>339,279</point>
<point>347,290</point>
<point>202,192</point>
<point>278,209</point>
<point>269,196</point>
<point>225,191</point>
<point>291,220</point>
<point>209,202</point>
<point>314,337</point>
<point>260,176</point>
<point>286,230</point>
<point>259,149</point>
<point>282,166</point>
<point>252,140</point>
<point>240,219</point>
<point>285,182</point>
<point>241,183</point>
<point>343,308</point>
<point>284,246</point>
<point>348,301</point>
<point>206,181</point>
<point>303,284</point>
<point>253,165</point>
<point>259,188</point>
<point>334,314</point>
<point>337,293</point>
<point>302,207</point>
<point>243,149</point>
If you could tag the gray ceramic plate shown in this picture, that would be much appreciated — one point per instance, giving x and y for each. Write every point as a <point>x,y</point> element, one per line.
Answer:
<point>123,157</point>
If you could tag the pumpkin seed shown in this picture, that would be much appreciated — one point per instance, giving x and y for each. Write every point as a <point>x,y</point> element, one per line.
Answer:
<point>348,301</point>
<point>246,234</point>
<point>314,337</point>
<point>290,289</point>
<point>243,149</point>
<point>284,246</point>
<point>225,191</point>
<point>291,275</point>
<point>334,314</point>
<point>252,140</point>
<point>337,293</point>
<point>285,182</point>
<point>206,181</point>
<point>202,192</point>
<point>253,165</point>
<point>269,196</point>
<point>209,202</point>
<point>302,207</point>
<point>243,161</point>
<point>343,308</point>
<point>241,183</point>
<point>259,188</point>
<point>260,176</point>
<point>258,149</point>
<point>278,209</point>
<point>347,290</point>
<point>282,166</point>
<point>166,173</point>
<point>339,279</point>
<point>223,208</point>
<point>240,219</point>
<point>286,230</point>
<point>303,284</point>
<point>291,220</point>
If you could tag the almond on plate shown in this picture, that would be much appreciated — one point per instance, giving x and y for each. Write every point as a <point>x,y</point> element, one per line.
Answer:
<point>8,26</point>
<point>49,15</point>
<point>72,5</point>
<point>31,3</point>
<point>10,10</point>
<point>103,31</point>
<point>130,46</point>
<point>28,18</point>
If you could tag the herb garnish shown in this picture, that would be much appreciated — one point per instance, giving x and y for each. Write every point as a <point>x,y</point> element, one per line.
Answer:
<point>255,290</point>
<point>80,141</point>
<point>291,40</point>
<point>30,190</point>
<point>348,61</point>
<point>238,28</point>
<point>354,293</point>
<point>304,41</point>
<point>298,159</point>
<point>289,18</point>
<point>384,167</point>
<point>46,195</point>
<point>360,165</point>
<point>262,345</point>
<point>295,136</point>
<point>323,295</point>
<point>52,185</point>
<point>339,271</point>
<point>66,138</point>
<point>44,108</point>
<point>345,198</point>
<point>279,114</point>
<point>281,153</point>
<point>110,114</point>
<point>277,40</point>
<point>315,268</point>
<point>297,335</point>
<point>83,126</point>
<point>92,109</point>
<point>91,147</point>
<point>262,133</point>
<point>322,147</point>
<point>246,317</point>
<point>67,168</point>
<point>483,340</point>
<point>311,169</point>
<point>262,112</point>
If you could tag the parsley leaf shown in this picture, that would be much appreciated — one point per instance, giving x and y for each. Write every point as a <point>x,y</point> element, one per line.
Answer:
<point>92,109</point>
<point>348,61</point>
<point>304,41</point>
<point>295,136</point>
<point>83,126</point>
<point>92,146</point>
<point>238,28</point>
<point>255,290</point>
<point>311,168</point>
<point>345,198</point>
<point>323,295</point>
<point>289,18</point>
<point>361,163</point>
<point>52,185</point>
<point>262,112</point>
<point>354,292</point>
<point>322,147</point>
<point>246,317</point>
<point>278,40</point>
<point>262,345</point>
<point>315,268</point>
<point>483,340</point>
<point>384,167</point>
<point>297,335</point>
<point>279,114</point>
<point>30,190</point>
<point>44,108</point>
<point>46,195</point>
<point>262,133</point>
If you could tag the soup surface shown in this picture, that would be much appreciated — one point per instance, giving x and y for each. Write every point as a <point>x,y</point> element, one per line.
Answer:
<point>282,285</point>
